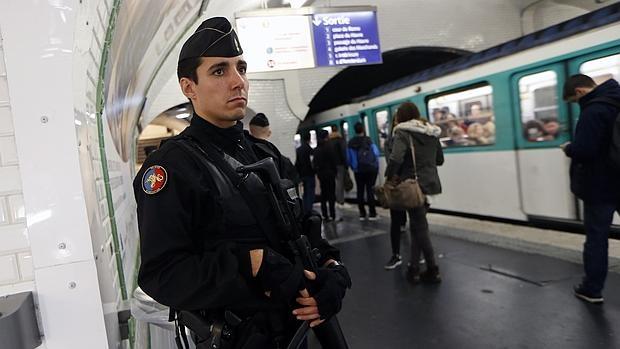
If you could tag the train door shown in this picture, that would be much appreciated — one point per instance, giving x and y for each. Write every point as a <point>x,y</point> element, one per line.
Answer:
<point>541,126</point>
<point>600,66</point>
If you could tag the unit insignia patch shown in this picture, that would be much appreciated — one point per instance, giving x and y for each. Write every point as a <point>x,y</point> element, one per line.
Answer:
<point>154,179</point>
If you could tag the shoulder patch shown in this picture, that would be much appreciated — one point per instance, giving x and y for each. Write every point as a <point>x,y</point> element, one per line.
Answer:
<point>154,179</point>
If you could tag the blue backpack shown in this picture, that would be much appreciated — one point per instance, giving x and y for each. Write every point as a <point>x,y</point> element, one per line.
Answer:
<point>366,158</point>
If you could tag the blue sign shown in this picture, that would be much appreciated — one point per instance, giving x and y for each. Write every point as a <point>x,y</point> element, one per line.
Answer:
<point>346,38</point>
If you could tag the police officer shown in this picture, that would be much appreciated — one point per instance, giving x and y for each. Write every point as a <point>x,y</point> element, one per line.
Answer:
<point>203,248</point>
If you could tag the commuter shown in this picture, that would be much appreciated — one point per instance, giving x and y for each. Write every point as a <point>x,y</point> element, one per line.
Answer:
<point>259,127</point>
<point>398,218</point>
<point>534,131</point>
<point>325,166</point>
<point>260,131</point>
<point>592,176</point>
<point>363,156</point>
<point>412,129</point>
<point>339,145</point>
<point>204,248</point>
<point>303,164</point>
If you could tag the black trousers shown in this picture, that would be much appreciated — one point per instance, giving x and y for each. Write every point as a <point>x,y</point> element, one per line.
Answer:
<point>365,183</point>
<point>328,194</point>
<point>420,238</point>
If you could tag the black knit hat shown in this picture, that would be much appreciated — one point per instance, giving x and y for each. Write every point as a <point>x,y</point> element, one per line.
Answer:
<point>215,37</point>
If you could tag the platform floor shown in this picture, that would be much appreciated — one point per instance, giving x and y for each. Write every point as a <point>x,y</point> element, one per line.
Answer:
<point>491,297</point>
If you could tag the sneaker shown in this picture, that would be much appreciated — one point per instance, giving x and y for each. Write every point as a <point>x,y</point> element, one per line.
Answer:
<point>373,218</point>
<point>362,218</point>
<point>585,295</point>
<point>395,261</point>
<point>431,276</point>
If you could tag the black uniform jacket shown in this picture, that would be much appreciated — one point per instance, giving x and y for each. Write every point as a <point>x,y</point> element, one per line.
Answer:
<point>194,244</point>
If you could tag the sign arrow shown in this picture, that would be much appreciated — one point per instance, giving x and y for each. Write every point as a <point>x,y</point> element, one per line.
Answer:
<point>317,21</point>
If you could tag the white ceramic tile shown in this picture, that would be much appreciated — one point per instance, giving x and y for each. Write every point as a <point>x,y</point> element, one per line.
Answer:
<point>17,288</point>
<point>17,211</point>
<point>2,65</point>
<point>11,180</point>
<point>4,89</point>
<point>8,151</point>
<point>13,237</point>
<point>6,119</point>
<point>4,211</point>
<point>8,269</point>
<point>24,261</point>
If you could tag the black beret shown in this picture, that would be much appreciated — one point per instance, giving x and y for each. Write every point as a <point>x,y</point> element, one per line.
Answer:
<point>260,120</point>
<point>215,37</point>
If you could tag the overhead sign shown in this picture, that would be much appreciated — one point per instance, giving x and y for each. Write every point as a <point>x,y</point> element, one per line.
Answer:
<point>346,38</point>
<point>309,37</point>
<point>276,43</point>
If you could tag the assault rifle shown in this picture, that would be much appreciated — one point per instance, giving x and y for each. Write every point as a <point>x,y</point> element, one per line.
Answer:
<point>283,197</point>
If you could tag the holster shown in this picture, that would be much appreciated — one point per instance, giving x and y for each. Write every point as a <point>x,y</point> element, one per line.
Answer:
<point>209,330</point>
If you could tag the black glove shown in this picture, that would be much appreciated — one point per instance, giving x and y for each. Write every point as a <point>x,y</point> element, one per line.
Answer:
<point>331,283</point>
<point>279,276</point>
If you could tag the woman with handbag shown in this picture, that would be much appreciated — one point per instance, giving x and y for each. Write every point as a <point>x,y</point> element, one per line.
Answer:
<point>411,176</point>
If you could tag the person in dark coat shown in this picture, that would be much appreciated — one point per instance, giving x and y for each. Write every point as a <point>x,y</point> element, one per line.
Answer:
<point>203,246</point>
<point>593,179</point>
<point>428,155</point>
<point>339,147</point>
<point>303,164</point>
<point>325,166</point>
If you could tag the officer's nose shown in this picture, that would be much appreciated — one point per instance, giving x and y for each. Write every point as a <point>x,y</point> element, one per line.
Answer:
<point>238,80</point>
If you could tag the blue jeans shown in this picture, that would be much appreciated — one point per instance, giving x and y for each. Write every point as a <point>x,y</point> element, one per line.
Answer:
<point>309,184</point>
<point>597,221</point>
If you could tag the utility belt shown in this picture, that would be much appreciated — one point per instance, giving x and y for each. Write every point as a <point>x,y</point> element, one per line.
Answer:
<point>225,329</point>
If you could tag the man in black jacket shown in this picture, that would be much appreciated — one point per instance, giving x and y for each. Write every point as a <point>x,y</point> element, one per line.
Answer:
<point>203,246</point>
<point>592,177</point>
<point>303,164</point>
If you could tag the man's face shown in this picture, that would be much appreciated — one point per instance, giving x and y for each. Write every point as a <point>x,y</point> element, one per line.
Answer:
<point>221,93</point>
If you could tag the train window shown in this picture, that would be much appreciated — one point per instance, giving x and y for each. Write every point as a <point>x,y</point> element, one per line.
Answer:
<point>465,117</point>
<point>381,117</point>
<point>313,138</point>
<point>539,106</point>
<point>344,126</point>
<point>297,140</point>
<point>602,69</point>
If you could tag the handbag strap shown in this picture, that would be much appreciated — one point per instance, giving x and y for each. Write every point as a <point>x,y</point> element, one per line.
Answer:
<point>412,148</point>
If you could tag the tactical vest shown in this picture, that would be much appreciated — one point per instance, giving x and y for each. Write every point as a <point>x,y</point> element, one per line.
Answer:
<point>238,221</point>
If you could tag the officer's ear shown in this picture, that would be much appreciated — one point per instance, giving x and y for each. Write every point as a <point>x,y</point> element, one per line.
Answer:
<point>188,87</point>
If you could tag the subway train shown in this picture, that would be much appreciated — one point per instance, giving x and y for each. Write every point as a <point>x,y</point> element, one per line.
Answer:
<point>502,118</point>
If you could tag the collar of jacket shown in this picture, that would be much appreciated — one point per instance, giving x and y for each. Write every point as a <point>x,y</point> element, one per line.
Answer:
<point>205,132</point>
<point>418,126</point>
<point>609,88</point>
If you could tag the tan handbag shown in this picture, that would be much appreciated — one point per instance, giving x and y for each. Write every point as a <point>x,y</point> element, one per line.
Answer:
<point>406,194</point>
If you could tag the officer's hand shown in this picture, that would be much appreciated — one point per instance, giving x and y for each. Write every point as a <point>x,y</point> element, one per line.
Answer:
<point>331,284</point>
<point>309,310</point>
<point>279,276</point>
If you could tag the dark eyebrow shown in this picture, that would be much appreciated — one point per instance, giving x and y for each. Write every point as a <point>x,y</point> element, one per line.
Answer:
<point>219,65</point>
<point>242,62</point>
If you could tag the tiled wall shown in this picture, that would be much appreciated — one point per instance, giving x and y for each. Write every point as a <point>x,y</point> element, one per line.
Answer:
<point>16,272</point>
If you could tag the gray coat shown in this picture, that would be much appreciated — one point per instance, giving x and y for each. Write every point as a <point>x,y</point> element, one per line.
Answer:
<point>428,154</point>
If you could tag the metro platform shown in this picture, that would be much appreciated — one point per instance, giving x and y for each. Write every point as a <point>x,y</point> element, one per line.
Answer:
<point>490,297</point>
